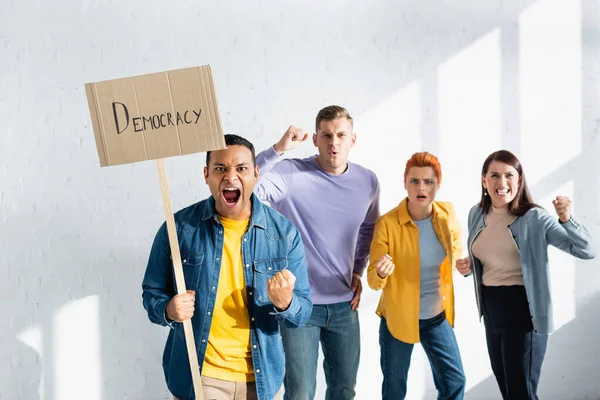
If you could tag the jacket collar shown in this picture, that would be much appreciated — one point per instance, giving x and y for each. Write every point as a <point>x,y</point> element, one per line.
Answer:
<point>403,215</point>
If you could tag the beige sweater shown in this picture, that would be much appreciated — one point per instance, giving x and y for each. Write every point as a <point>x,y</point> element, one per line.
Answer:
<point>497,250</point>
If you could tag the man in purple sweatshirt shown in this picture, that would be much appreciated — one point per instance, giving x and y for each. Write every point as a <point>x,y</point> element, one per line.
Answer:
<point>334,204</point>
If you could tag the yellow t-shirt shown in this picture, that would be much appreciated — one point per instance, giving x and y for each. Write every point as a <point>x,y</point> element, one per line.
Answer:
<point>229,353</point>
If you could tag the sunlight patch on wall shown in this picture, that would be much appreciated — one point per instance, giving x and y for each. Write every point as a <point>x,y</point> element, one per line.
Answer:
<point>469,117</point>
<point>387,135</point>
<point>77,360</point>
<point>550,86</point>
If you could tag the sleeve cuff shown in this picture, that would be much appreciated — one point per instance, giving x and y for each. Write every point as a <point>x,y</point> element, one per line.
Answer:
<point>271,155</point>
<point>359,269</point>
<point>378,282</point>
<point>290,312</point>
<point>163,311</point>
<point>571,222</point>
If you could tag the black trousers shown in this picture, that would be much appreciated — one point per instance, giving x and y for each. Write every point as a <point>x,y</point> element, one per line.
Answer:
<point>516,351</point>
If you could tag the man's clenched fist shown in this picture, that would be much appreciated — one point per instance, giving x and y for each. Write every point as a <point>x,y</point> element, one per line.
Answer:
<point>280,289</point>
<point>290,139</point>
<point>181,306</point>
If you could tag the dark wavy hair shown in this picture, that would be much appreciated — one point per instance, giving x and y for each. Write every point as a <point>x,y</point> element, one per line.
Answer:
<point>523,201</point>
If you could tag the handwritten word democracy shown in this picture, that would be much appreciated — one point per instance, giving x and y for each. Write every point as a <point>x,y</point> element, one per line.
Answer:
<point>156,121</point>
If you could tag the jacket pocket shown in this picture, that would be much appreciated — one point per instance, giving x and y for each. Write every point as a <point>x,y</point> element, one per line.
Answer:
<point>263,271</point>
<point>191,263</point>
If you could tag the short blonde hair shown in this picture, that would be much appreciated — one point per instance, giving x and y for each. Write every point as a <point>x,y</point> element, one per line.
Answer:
<point>331,113</point>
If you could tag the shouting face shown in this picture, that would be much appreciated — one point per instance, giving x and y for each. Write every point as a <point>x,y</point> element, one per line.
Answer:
<point>502,183</point>
<point>231,176</point>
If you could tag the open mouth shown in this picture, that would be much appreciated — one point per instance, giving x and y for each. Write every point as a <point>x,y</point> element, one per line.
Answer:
<point>502,192</point>
<point>421,197</point>
<point>231,195</point>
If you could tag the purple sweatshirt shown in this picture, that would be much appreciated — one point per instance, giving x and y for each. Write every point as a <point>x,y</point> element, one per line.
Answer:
<point>335,215</point>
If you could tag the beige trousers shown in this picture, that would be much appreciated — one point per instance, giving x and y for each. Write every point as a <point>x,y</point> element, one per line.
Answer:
<point>217,389</point>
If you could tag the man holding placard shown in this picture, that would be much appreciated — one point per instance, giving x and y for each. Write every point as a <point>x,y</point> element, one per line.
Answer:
<point>245,272</point>
<point>243,263</point>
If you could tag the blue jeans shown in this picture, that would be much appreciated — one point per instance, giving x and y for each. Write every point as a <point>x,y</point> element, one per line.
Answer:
<point>439,343</point>
<point>336,327</point>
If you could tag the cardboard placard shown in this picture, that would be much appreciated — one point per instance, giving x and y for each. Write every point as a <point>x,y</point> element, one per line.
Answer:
<point>153,116</point>
<point>150,117</point>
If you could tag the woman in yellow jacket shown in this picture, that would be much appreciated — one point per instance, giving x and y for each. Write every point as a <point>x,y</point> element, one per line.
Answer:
<point>414,248</point>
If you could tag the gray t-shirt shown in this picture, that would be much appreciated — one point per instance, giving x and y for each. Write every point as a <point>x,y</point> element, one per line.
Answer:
<point>432,255</point>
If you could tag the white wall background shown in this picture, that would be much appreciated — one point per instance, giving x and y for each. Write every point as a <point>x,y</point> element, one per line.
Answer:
<point>460,79</point>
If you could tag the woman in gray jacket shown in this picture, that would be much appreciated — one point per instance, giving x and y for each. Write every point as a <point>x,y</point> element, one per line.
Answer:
<point>508,255</point>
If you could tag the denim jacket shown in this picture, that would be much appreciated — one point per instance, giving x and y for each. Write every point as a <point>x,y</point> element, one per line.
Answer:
<point>270,244</point>
<point>532,233</point>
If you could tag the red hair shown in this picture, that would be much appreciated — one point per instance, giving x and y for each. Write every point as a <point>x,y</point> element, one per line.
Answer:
<point>424,159</point>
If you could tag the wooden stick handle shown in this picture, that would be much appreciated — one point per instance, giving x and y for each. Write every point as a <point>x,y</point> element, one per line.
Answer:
<point>179,278</point>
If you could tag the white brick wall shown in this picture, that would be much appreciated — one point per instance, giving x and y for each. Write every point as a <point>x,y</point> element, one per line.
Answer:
<point>458,78</point>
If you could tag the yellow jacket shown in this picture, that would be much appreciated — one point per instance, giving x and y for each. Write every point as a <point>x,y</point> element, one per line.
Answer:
<point>397,235</point>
